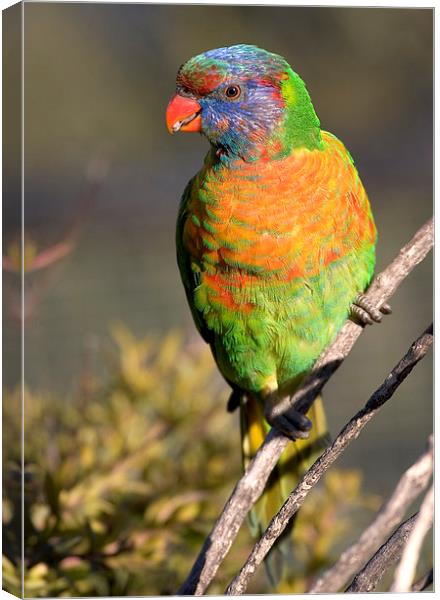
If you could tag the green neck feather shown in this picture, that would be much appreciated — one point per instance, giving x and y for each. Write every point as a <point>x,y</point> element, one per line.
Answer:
<point>301,127</point>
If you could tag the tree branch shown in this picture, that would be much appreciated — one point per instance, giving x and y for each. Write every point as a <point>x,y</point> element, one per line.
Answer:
<point>250,486</point>
<point>349,433</point>
<point>422,583</point>
<point>404,575</point>
<point>368,578</point>
<point>410,485</point>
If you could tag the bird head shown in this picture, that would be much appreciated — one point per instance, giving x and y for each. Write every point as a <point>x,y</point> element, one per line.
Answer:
<point>248,103</point>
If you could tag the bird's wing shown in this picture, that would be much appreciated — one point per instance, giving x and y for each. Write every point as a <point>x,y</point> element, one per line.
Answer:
<point>190,278</point>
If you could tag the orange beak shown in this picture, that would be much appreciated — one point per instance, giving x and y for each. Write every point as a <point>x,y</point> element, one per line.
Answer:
<point>183,114</point>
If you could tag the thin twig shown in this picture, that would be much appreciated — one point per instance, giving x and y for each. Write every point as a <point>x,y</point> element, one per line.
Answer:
<point>368,578</point>
<point>250,486</point>
<point>424,581</point>
<point>410,485</point>
<point>404,575</point>
<point>349,433</point>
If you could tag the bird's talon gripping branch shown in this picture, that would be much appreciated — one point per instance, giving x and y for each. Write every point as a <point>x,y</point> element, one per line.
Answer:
<point>358,314</point>
<point>385,309</point>
<point>291,423</point>
<point>234,401</point>
<point>364,311</point>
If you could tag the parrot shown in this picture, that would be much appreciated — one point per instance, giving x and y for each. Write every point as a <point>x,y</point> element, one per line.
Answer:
<point>275,244</point>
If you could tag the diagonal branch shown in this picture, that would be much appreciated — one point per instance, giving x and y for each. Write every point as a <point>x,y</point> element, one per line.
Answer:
<point>406,569</point>
<point>250,486</point>
<point>410,485</point>
<point>349,433</point>
<point>422,583</point>
<point>368,578</point>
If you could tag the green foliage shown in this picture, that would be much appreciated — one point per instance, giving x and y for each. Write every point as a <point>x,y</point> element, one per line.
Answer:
<point>123,483</point>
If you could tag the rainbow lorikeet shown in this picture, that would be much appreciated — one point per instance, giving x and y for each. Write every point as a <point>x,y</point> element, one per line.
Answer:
<point>275,242</point>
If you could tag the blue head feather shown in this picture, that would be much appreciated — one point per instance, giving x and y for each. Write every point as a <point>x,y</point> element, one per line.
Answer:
<point>245,126</point>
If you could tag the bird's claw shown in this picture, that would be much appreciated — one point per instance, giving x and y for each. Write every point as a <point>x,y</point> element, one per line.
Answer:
<point>385,309</point>
<point>365,312</point>
<point>291,423</point>
<point>234,401</point>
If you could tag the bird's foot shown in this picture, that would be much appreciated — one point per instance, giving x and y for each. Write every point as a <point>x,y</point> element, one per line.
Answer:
<point>362,310</point>
<point>291,423</point>
<point>234,400</point>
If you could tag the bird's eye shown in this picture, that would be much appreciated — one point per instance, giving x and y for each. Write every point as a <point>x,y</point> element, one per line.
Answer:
<point>232,92</point>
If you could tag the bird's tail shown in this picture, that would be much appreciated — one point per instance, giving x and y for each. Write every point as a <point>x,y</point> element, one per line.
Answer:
<point>294,462</point>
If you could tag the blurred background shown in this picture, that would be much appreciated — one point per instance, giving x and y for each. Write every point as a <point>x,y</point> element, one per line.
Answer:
<point>103,179</point>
